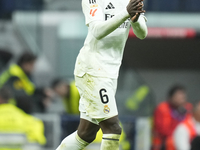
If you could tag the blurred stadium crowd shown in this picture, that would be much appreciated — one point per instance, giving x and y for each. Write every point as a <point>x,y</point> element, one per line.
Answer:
<point>38,107</point>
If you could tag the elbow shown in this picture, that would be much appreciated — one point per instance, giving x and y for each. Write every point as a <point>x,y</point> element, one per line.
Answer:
<point>95,32</point>
<point>98,37</point>
<point>143,35</point>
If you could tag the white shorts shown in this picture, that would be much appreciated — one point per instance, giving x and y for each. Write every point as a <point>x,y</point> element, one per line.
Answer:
<point>97,102</point>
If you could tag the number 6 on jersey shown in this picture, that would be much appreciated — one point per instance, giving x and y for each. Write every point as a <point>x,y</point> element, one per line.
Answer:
<point>104,97</point>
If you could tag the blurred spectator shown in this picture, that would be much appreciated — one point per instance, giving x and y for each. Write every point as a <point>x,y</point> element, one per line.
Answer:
<point>18,78</point>
<point>70,99</point>
<point>187,134</point>
<point>69,94</point>
<point>168,115</point>
<point>5,56</point>
<point>14,120</point>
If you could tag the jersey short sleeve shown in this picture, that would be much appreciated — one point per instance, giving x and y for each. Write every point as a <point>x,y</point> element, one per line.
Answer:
<point>92,10</point>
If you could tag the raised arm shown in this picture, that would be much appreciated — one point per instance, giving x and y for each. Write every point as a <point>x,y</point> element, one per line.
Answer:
<point>95,17</point>
<point>140,27</point>
<point>100,29</point>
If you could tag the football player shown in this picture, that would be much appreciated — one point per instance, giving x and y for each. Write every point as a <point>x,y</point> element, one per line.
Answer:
<point>97,67</point>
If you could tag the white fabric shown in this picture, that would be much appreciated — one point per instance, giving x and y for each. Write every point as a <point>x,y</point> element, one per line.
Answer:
<point>85,116</point>
<point>182,136</point>
<point>108,31</point>
<point>139,27</point>
<point>107,26</point>
<point>72,142</point>
<point>91,103</point>
<point>110,142</point>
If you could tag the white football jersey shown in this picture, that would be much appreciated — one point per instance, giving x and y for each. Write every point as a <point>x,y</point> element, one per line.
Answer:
<point>102,57</point>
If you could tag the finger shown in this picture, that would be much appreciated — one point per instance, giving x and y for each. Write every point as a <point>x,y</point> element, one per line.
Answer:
<point>138,11</point>
<point>140,5</point>
<point>140,8</point>
<point>135,3</point>
<point>137,14</point>
<point>141,11</point>
<point>135,17</point>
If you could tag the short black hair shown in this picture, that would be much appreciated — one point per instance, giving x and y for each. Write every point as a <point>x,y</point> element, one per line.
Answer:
<point>174,89</point>
<point>26,57</point>
<point>5,94</point>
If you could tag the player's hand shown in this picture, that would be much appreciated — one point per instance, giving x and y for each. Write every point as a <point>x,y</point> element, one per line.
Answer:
<point>137,15</point>
<point>135,18</point>
<point>135,6</point>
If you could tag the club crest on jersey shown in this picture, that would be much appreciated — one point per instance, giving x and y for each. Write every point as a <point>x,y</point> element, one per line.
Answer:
<point>106,109</point>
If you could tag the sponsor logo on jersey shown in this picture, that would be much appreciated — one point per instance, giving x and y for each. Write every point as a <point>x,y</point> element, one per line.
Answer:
<point>123,25</point>
<point>110,6</point>
<point>108,16</point>
<point>92,1</point>
<point>92,12</point>
<point>106,109</point>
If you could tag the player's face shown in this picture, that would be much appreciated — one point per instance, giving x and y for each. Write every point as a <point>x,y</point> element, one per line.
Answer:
<point>179,98</point>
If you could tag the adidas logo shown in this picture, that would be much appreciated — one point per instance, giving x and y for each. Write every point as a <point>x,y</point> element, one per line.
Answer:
<point>110,6</point>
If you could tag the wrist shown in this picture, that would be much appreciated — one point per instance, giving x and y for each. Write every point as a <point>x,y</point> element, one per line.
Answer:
<point>126,13</point>
<point>135,22</point>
